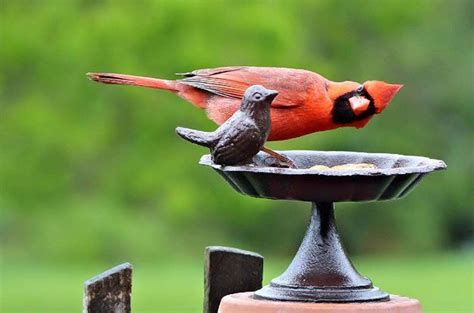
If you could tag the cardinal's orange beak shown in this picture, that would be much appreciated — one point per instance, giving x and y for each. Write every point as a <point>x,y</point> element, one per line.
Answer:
<point>381,92</point>
<point>359,104</point>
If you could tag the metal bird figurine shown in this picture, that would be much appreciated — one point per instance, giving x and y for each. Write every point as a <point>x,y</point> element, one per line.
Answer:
<point>243,135</point>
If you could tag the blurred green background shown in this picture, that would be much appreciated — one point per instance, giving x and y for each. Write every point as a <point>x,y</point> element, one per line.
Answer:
<point>93,175</point>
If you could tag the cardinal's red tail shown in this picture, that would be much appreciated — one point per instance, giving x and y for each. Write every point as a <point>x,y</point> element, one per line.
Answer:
<point>122,79</point>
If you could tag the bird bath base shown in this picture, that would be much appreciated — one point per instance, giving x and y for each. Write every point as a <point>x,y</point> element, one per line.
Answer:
<point>321,270</point>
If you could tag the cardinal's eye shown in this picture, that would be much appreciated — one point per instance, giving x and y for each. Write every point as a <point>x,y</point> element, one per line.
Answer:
<point>257,96</point>
<point>360,89</point>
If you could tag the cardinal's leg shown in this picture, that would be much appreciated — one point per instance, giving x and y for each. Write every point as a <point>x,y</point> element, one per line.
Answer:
<point>283,159</point>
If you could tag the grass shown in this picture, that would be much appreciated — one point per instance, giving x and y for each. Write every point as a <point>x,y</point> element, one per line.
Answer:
<point>443,283</point>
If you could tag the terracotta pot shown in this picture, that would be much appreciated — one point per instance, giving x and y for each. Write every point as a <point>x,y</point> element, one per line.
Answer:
<point>246,303</point>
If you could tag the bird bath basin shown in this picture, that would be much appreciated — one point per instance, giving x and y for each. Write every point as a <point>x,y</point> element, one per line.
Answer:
<point>321,271</point>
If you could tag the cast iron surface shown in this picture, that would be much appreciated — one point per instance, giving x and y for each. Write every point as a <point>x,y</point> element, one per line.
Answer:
<point>395,176</point>
<point>243,135</point>
<point>321,270</point>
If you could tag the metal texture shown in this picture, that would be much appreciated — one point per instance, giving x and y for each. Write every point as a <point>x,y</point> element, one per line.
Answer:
<point>321,271</point>
<point>109,292</point>
<point>243,135</point>
<point>228,271</point>
<point>394,177</point>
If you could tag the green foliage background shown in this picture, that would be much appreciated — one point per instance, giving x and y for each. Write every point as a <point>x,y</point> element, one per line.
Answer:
<point>95,173</point>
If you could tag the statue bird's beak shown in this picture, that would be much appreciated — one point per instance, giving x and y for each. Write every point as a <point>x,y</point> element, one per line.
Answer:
<point>271,94</point>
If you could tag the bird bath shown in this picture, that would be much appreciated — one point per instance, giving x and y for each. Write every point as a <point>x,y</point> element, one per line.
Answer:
<point>321,270</point>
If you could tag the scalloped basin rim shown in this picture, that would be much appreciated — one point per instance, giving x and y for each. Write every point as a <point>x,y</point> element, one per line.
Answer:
<point>424,164</point>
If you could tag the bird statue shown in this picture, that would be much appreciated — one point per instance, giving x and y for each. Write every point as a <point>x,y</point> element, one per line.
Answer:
<point>243,135</point>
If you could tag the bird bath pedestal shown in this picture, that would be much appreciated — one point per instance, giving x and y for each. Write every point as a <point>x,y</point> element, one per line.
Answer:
<point>321,278</point>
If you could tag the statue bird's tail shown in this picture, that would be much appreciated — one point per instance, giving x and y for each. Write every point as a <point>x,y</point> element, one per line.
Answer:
<point>198,137</point>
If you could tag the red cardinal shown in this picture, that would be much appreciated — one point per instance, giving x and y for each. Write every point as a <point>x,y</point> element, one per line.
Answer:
<point>307,102</point>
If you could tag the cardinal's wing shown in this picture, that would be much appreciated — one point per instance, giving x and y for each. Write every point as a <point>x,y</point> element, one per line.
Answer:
<point>293,85</point>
